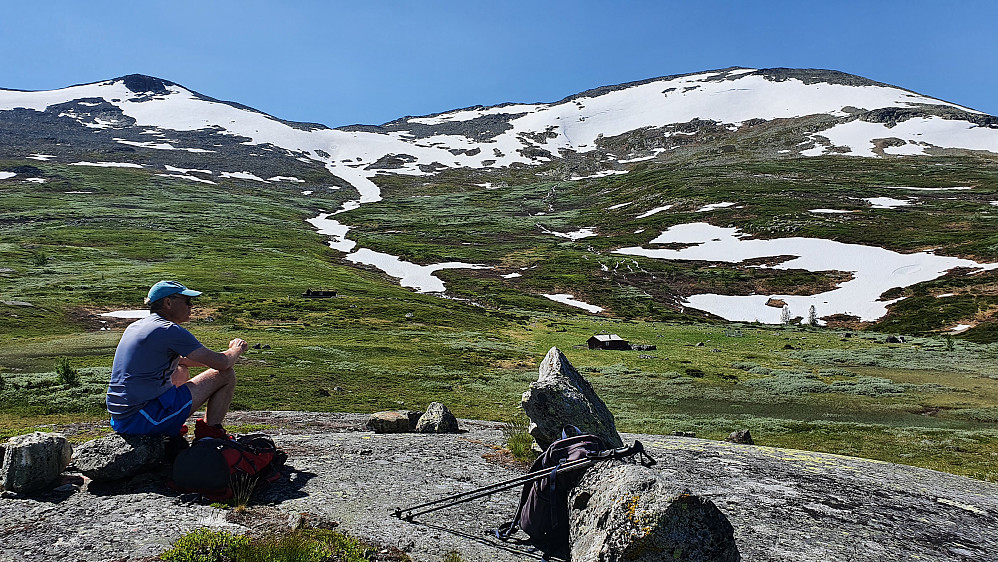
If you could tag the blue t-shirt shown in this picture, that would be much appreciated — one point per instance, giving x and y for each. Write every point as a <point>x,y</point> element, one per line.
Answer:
<point>147,355</point>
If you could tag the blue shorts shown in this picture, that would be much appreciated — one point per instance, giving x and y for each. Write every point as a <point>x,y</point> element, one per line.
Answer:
<point>162,416</point>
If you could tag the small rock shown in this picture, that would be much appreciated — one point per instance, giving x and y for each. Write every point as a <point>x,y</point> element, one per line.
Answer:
<point>741,436</point>
<point>437,419</point>
<point>389,422</point>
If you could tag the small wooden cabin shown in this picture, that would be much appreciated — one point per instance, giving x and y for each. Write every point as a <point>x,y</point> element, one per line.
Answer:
<point>608,341</point>
<point>310,294</point>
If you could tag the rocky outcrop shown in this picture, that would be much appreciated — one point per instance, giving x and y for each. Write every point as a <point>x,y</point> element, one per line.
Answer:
<point>784,505</point>
<point>116,457</point>
<point>562,397</point>
<point>33,462</point>
<point>629,512</point>
<point>437,419</point>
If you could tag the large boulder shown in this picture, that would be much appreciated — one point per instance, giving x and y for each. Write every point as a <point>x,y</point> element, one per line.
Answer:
<point>437,419</point>
<point>628,512</point>
<point>389,422</point>
<point>33,462</point>
<point>116,457</point>
<point>562,397</point>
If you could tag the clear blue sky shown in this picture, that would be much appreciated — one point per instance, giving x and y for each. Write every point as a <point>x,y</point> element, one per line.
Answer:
<point>369,61</point>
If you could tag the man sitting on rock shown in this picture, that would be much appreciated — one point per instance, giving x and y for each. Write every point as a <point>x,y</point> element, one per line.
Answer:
<point>151,391</point>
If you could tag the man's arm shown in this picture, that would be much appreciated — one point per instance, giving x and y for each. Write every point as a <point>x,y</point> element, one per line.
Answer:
<point>215,360</point>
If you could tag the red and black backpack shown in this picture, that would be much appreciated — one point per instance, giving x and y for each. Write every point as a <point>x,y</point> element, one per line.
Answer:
<point>212,466</point>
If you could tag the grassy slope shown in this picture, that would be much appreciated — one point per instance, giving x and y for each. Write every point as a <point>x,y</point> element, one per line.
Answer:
<point>378,346</point>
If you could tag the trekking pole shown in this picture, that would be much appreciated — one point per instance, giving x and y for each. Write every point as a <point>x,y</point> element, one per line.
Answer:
<point>409,512</point>
<point>455,499</point>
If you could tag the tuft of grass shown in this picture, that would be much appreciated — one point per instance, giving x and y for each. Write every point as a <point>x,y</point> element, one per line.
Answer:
<point>242,486</point>
<point>518,441</point>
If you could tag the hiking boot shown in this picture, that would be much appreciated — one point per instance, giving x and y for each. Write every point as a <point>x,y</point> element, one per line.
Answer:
<point>202,429</point>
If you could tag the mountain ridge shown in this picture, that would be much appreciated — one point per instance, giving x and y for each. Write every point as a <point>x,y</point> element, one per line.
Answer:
<point>612,134</point>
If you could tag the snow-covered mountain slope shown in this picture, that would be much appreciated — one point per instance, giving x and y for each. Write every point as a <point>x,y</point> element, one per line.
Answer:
<point>844,115</point>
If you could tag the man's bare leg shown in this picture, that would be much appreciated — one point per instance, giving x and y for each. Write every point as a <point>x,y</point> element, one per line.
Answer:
<point>213,389</point>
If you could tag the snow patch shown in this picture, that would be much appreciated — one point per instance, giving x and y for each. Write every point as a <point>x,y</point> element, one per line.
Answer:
<point>874,271</point>
<point>713,206</point>
<point>830,211</point>
<point>242,176</point>
<point>601,174</point>
<point>654,211</point>
<point>334,229</point>
<point>170,168</point>
<point>577,235</point>
<point>419,277</point>
<point>160,146</point>
<point>186,177</point>
<point>41,157</point>
<point>887,202</point>
<point>570,301</point>
<point>918,134</point>
<point>7,175</point>
<point>127,314</point>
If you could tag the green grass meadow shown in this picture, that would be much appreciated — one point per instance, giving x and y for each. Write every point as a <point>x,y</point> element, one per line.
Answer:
<point>67,257</point>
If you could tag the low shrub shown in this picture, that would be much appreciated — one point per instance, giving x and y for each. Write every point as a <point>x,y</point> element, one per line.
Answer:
<point>66,374</point>
<point>205,545</point>
<point>310,545</point>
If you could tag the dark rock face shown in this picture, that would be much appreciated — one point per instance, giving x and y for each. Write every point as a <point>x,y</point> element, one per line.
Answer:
<point>561,397</point>
<point>142,84</point>
<point>33,462</point>
<point>437,419</point>
<point>629,512</point>
<point>116,457</point>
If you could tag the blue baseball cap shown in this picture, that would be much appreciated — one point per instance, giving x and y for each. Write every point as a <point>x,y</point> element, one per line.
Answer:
<point>164,289</point>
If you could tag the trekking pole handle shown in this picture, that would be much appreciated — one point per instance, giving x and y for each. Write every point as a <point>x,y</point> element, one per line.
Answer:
<point>626,451</point>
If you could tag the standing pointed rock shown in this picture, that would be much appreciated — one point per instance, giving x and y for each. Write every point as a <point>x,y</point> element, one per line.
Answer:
<point>562,397</point>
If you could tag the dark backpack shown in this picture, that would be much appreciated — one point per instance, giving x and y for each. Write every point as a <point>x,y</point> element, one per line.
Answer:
<point>211,466</point>
<point>543,510</point>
